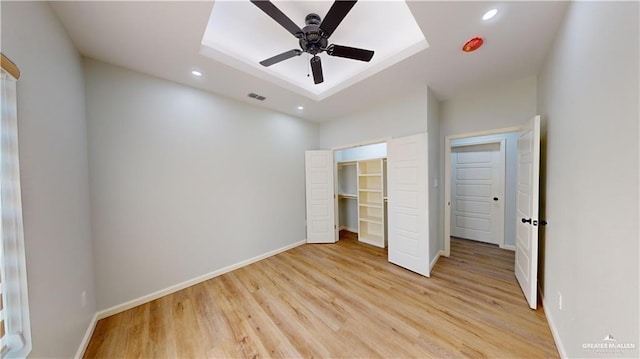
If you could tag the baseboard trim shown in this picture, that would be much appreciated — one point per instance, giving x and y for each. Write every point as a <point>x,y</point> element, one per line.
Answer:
<point>87,336</point>
<point>552,326</point>
<point>509,247</point>
<point>188,283</point>
<point>172,289</point>
<point>347,228</point>
<point>433,262</point>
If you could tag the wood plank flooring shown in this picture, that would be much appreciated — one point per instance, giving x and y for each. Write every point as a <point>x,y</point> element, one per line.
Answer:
<point>342,300</point>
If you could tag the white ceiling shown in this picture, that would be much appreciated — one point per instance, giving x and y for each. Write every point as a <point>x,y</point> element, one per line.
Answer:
<point>241,35</point>
<point>164,39</point>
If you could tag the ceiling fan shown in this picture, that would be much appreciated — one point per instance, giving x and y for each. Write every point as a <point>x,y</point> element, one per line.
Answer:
<point>314,37</point>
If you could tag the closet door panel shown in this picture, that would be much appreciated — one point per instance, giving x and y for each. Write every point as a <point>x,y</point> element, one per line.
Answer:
<point>408,203</point>
<point>320,197</point>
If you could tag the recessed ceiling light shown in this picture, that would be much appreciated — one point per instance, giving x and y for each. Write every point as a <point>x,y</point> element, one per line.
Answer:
<point>489,14</point>
<point>300,108</point>
<point>196,73</point>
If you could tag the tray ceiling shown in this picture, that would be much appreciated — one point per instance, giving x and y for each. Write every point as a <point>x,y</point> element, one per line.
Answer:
<point>241,35</point>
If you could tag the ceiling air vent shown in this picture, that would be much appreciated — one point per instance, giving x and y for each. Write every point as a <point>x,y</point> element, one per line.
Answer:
<point>257,97</point>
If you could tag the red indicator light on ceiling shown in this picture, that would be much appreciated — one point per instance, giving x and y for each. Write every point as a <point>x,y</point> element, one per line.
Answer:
<point>472,44</point>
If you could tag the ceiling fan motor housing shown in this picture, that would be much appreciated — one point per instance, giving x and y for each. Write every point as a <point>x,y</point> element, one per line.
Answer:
<point>312,40</point>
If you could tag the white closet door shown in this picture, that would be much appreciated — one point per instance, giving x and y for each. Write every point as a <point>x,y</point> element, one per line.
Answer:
<point>320,197</point>
<point>477,194</point>
<point>526,266</point>
<point>408,207</point>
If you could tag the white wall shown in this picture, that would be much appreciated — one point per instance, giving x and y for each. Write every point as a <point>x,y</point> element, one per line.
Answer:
<point>588,98</point>
<point>348,214</point>
<point>54,174</point>
<point>507,105</point>
<point>184,182</point>
<point>377,150</point>
<point>402,116</point>
<point>348,184</point>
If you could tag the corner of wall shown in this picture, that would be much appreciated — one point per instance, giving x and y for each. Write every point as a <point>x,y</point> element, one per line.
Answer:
<point>54,173</point>
<point>578,143</point>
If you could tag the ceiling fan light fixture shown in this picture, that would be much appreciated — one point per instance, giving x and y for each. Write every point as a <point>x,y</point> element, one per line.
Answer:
<point>313,38</point>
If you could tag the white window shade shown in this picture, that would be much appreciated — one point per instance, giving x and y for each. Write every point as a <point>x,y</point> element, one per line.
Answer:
<point>16,339</point>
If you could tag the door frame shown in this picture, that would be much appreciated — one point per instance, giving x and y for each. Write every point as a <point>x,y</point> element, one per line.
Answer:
<point>502,182</point>
<point>447,176</point>
<point>336,201</point>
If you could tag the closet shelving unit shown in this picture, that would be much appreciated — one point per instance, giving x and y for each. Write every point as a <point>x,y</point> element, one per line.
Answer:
<point>371,209</point>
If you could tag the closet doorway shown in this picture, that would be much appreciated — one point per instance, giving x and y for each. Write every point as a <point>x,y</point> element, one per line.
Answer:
<point>521,211</point>
<point>361,203</point>
<point>400,224</point>
<point>480,190</point>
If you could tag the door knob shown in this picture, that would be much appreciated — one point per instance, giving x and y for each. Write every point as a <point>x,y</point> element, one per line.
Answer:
<point>495,198</point>
<point>528,220</point>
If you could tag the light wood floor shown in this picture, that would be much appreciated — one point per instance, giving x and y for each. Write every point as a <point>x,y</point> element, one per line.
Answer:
<point>342,300</point>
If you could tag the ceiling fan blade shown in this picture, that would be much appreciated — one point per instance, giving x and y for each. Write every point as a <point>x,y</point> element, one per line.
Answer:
<point>281,57</point>
<point>275,13</point>
<point>334,17</point>
<point>316,69</point>
<point>350,52</point>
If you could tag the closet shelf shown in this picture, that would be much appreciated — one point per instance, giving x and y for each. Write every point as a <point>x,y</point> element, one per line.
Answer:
<point>372,239</point>
<point>374,190</point>
<point>370,175</point>
<point>347,196</point>
<point>361,204</point>
<point>371,219</point>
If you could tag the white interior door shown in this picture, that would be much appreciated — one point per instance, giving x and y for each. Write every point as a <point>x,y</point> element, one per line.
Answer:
<point>477,193</point>
<point>320,197</point>
<point>526,266</point>
<point>408,207</point>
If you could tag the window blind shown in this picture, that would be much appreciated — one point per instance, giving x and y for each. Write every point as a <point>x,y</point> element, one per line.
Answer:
<point>15,330</point>
<point>3,327</point>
